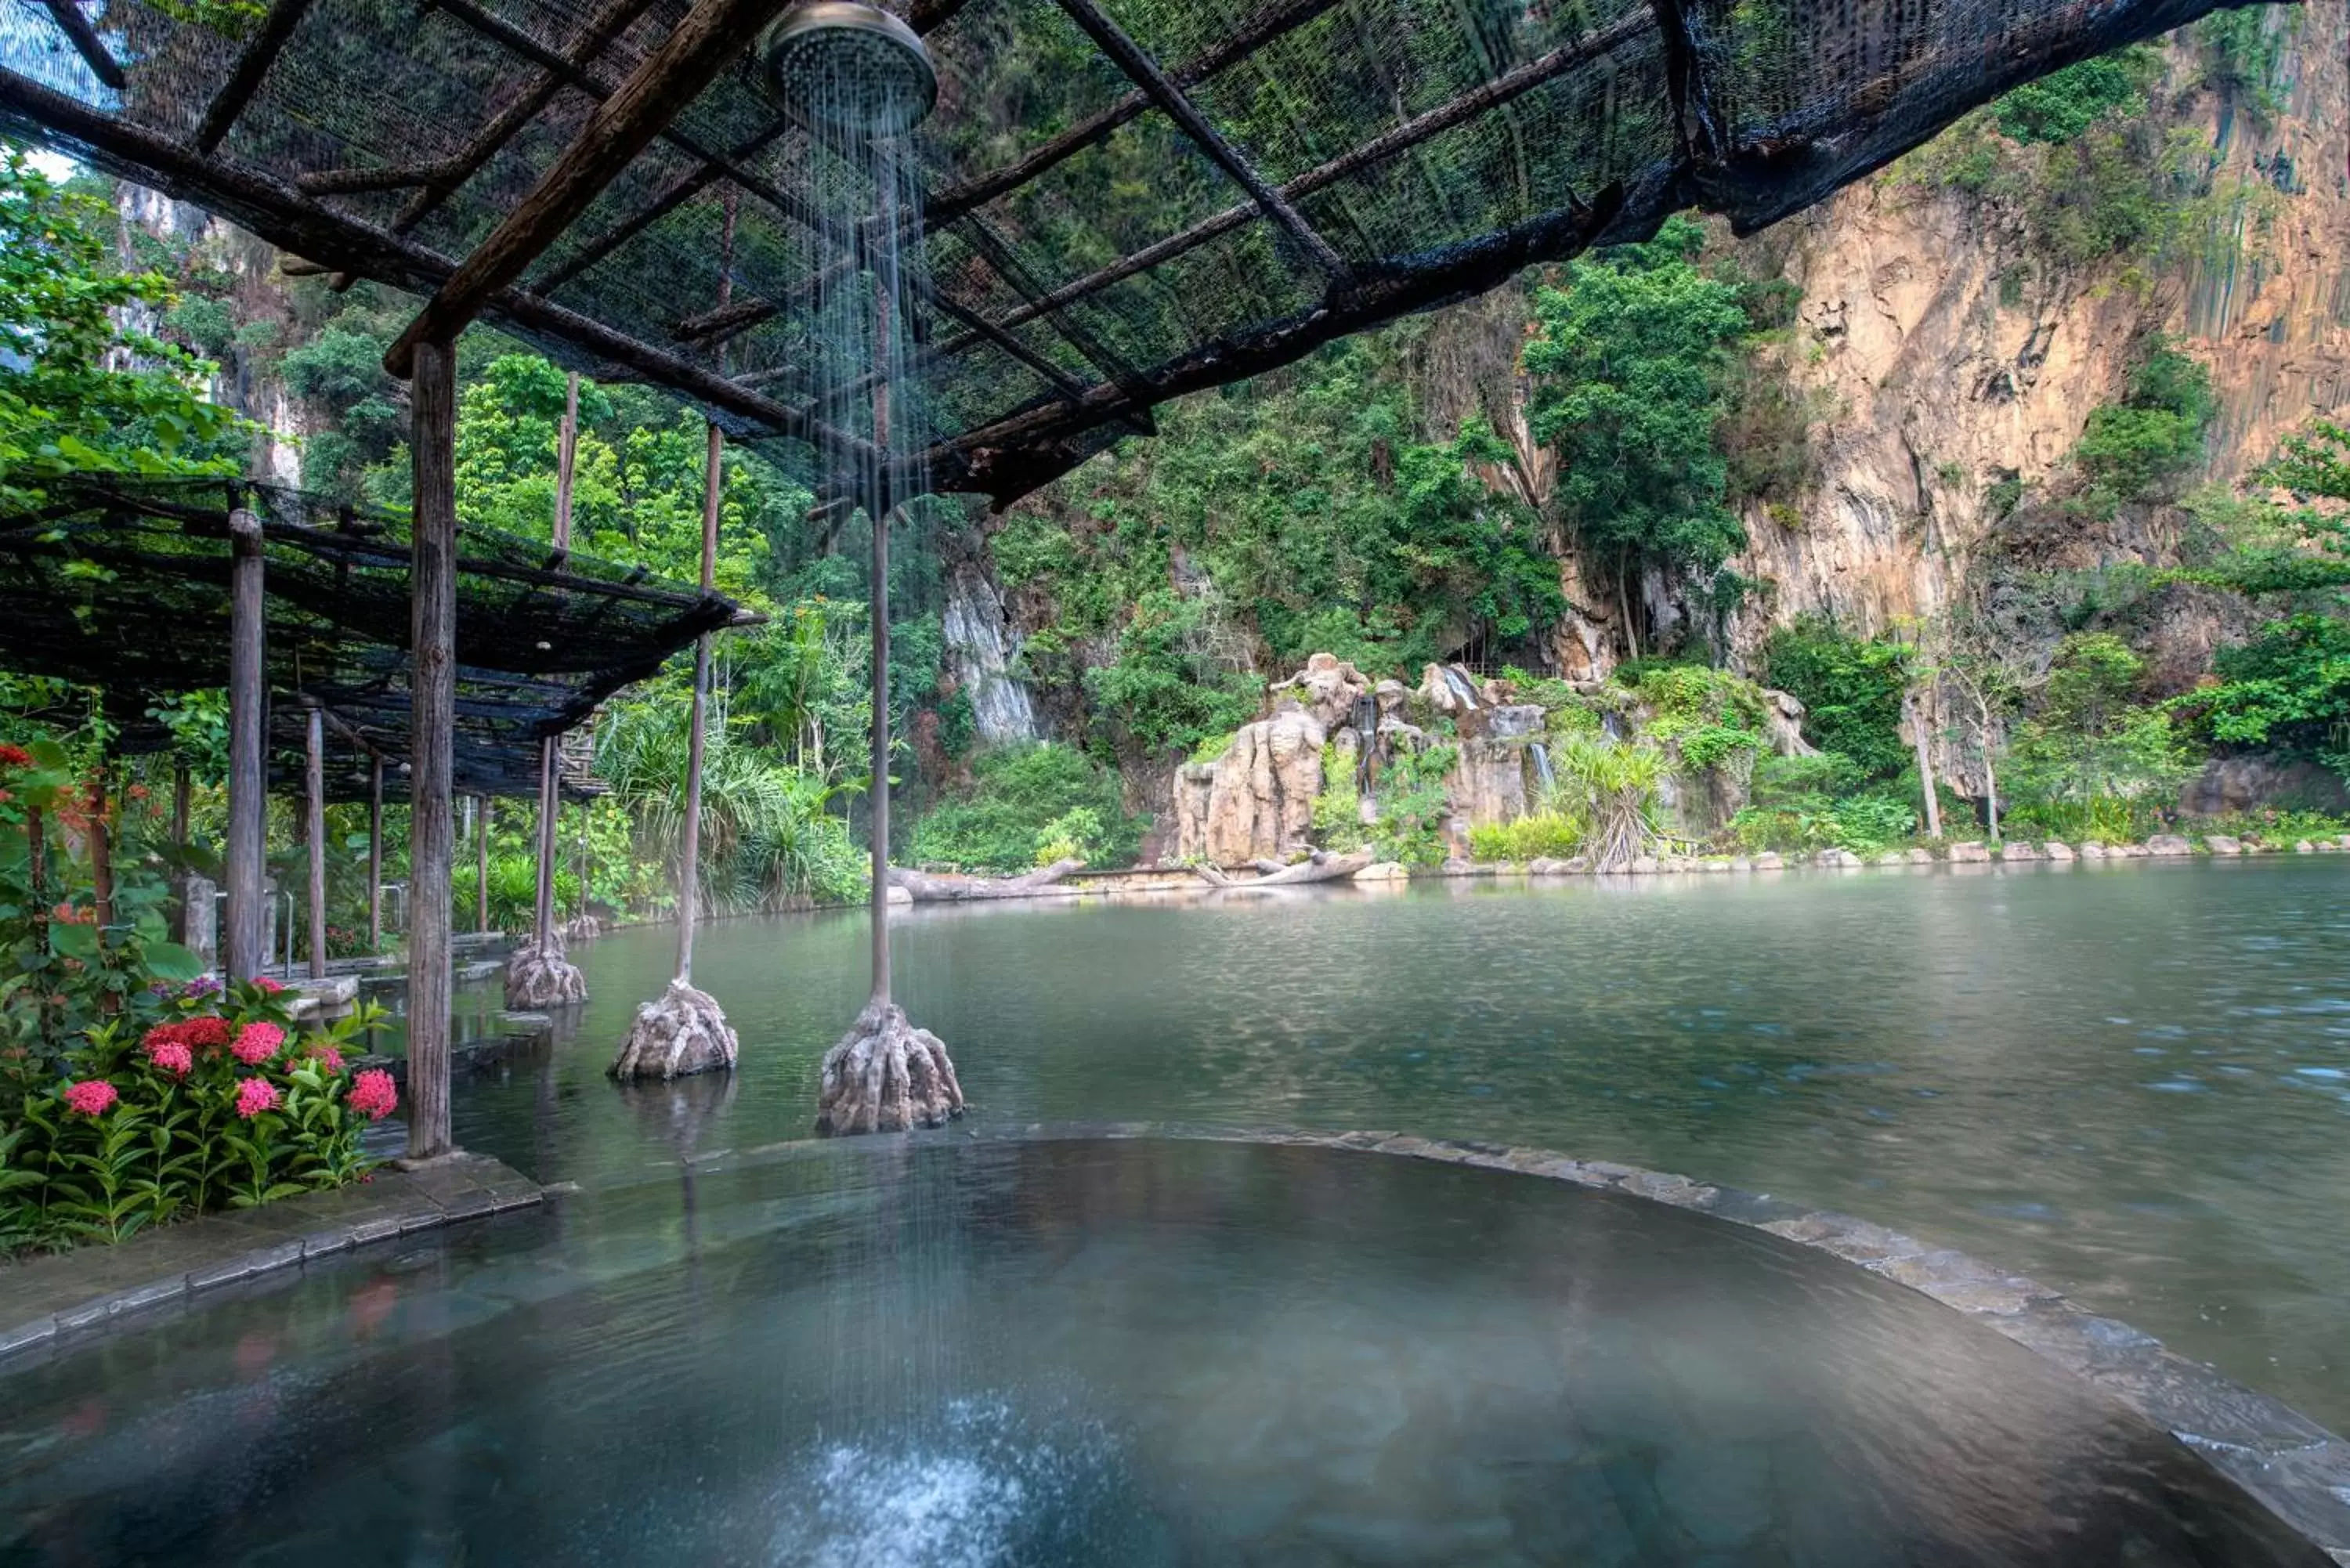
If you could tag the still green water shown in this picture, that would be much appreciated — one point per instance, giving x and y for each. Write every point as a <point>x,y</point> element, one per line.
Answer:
<point>2131,1081</point>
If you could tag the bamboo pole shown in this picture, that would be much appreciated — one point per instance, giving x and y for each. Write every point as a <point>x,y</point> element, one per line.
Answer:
<point>314,830</point>
<point>432,678</point>
<point>689,873</point>
<point>247,804</point>
<point>375,855</point>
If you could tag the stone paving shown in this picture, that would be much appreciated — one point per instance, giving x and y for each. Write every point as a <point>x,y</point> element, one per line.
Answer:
<point>46,1298</point>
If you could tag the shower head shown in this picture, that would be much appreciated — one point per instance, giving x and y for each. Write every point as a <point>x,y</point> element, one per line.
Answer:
<point>843,65</point>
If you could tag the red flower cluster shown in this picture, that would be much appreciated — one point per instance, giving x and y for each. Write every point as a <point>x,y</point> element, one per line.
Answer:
<point>184,1038</point>
<point>172,1056</point>
<point>372,1094</point>
<point>257,1042</point>
<point>15,757</point>
<point>92,1096</point>
<point>268,986</point>
<point>254,1096</point>
<point>72,914</point>
<point>319,1050</point>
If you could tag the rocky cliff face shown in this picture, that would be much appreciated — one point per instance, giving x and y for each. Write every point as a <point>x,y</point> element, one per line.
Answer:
<point>1949,356</point>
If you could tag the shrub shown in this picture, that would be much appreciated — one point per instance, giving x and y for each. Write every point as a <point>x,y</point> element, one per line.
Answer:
<point>1025,800</point>
<point>1614,786</point>
<point>221,1105</point>
<point>1412,807</point>
<point>2061,105</point>
<point>1550,834</point>
<point>2288,688</point>
<point>1850,688</point>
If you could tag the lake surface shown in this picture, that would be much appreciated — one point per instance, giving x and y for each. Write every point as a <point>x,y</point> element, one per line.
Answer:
<point>2131,1081</point>
<point>1085,1353</point>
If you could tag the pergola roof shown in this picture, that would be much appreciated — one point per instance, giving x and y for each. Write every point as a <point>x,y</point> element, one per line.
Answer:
<point>1128,200</point>
<point>123,583</point>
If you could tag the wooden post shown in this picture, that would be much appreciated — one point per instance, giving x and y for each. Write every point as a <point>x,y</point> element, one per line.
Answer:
<point>689,870</point>
<point>432,588</point>
<point>375,856</point>
<point>247,807</point>
<point>880,792</point>
<point>314,830</point>
<point>180,841</point>
<point>550,772</point>
<point>481,863</point>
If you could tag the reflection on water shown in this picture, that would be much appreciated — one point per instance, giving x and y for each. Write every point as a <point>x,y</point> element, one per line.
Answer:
<point>1091,1353</point>
<point>2112,1078</point>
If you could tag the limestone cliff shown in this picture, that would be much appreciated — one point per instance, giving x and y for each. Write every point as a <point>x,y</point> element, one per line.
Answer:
<point>1949,356</point>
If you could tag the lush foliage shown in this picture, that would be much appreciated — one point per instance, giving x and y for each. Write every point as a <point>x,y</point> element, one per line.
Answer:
<point>2137,449</point>
<point>1632,363</point>
<point>219,1104</point>
<point>1850,688</point>
<point>1801,803</point>
<point>2092,735</point>
<point>1030,805</point>
<point>63,407</point>
<point>1547,834</point>
<point>1612,787</point>
<point>2287,690</point>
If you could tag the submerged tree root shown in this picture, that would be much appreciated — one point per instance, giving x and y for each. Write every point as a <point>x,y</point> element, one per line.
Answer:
<point>683,1032</point>
<point>886,1075</point>
<point>537,979</point>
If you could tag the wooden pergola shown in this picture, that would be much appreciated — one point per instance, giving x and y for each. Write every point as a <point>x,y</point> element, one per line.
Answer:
<point>607,179</point>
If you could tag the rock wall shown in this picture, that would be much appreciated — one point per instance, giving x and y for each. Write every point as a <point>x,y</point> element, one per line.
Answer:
<point>1937,388</point>
<point>980,645</point>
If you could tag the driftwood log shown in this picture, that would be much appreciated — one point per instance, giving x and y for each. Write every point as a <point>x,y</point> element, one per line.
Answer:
<point>1320,867</point>
<point>926,888</point>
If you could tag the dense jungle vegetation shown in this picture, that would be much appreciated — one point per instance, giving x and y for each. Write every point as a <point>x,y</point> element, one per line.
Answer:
<point>1416,495</point>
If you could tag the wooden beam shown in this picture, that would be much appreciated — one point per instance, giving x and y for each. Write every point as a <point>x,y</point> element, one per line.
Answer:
<point>1400,139</point>
<point>245,79</point>
<point>314,832</point>
<point>688,859</point>
<point>248,776</point>
<point>87,44</point>
<point>279,212</point>
<point>953,203</point>
<point>1130,58</point>
<point>383,177</point>
<point>432,684</point>
<point>609,22</point>
<point>375,853</point>
<point>713,36</point>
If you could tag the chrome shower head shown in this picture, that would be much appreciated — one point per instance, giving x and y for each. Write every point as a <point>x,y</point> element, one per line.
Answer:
<point>843,65</point>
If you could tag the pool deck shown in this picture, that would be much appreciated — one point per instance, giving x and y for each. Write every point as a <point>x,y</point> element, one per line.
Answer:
<point>49,1299</point>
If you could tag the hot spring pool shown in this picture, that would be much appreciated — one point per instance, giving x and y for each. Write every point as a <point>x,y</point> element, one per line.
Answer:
<point>1093,1352</point>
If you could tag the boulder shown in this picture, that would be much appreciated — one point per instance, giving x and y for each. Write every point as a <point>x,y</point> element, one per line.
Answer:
<point>1391,696</point>
<point>2091,850</point>
<point>2168,845</point>
<point>1487,785</point>
<point>2058,850</point>
<point>2140,851</point>
<point>1893,857</point>
<point>1974,852</point>
<point>1328,688</point>
<point>1578,865</point>
<point>682,1032</point>
<point>1515,720</point>
<point>2220,844</point>
<point>1383,871</point>
<point>1920,855</point>
<point>1257,801</point>
<point>1712,864</point>
<point>1544,865</point>
<point>1643,865</point>
<point>1768,861</point>
<point>1741,862</point>
<point>1784,716</point>
<point>886,1075</point>
<point>2304,847</point>
<point>537,979</point>
<point>2018,849</point>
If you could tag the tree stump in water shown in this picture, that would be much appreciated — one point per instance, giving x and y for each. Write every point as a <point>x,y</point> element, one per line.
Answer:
<point>537,979</point>
<point>684,1032</point>
<point>886,1075</point>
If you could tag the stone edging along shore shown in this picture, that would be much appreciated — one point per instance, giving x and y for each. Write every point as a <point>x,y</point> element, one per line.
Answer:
<point>49,1299</point>
<point>2297,1469</point>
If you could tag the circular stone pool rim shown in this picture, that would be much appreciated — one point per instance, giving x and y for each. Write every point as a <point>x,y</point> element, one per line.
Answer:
<point>2296,1468</point>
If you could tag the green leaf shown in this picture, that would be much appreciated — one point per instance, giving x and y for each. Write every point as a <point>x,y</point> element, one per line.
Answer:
<point>170,961</point>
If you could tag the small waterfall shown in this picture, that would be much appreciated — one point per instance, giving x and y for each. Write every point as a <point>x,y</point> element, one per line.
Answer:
<point>1461,688</point>
<point>1612,726</point>
<point>1542,767</point>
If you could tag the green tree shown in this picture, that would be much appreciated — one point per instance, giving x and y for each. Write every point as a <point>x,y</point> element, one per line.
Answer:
<point>62,300</point>
<point>1851,689</point>
<point>1632,365</point>
<point>2288,688</point>
<point>2092,735</point>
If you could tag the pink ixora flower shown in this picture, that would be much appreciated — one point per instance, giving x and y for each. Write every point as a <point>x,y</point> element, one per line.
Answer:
<point>372,1094</point>
<point>257,1042</point>
<point>91,1098</point>
<point>172,1056</point>
<point>319,1050</point>
<point>266,984</point>
<point>254,1096</point>
<point>209,1033</point>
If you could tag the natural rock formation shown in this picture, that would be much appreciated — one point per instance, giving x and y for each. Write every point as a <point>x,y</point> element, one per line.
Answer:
<point>1256,800</point>
<point>537,979</point>
<point>1318,867</point>
<point>2167,844</point>
<point>683,1032</point>
<point>922,888</point>
<point>1972,853</point>
<point>1487,784</point>
<point>886,1075</point>
<point>1328,688</point>
<point>2220,844</point>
